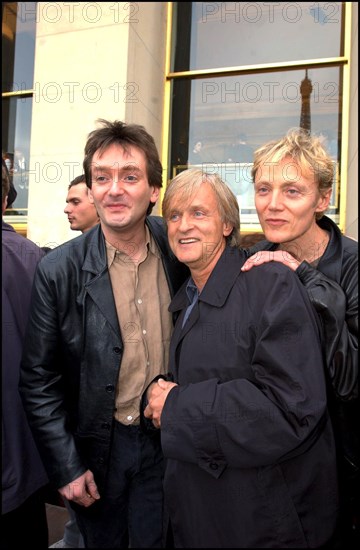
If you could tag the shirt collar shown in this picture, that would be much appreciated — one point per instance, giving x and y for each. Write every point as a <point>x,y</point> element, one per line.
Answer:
<point>192,290</point>
<point>150,245</point>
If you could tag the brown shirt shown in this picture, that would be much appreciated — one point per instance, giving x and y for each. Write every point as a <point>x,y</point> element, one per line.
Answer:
<point>142,298</point>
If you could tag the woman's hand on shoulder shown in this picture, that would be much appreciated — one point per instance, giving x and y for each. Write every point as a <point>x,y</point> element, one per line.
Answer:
<point>265,256</point>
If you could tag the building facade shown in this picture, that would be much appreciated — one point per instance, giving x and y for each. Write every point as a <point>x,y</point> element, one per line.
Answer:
<point>210,81</point>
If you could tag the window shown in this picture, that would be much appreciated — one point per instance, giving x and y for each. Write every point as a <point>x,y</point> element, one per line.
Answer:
<point>241,74</point>
<point>18,49</point>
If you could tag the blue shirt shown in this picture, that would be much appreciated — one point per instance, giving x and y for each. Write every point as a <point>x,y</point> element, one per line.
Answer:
<point>192,293</point>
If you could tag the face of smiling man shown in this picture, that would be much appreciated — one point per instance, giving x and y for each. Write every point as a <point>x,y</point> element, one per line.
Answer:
<point>196,232</point>
<point>121,191</point>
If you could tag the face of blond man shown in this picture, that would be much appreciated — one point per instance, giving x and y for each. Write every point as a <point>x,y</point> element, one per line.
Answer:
<point>287,200</point>
<point>81,213</point>
<point>196,232</point>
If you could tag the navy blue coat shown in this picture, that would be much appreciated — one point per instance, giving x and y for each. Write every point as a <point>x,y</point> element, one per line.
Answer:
<point>249,445</point>
<point>22,469</point>
<point>333,290</point>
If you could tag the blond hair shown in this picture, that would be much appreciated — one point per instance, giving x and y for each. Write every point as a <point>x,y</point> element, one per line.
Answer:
<point>185,184</point>
<point>306,150</point>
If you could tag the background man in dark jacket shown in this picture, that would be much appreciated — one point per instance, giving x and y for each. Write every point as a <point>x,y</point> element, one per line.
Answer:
<point>100,313</point>
<point>80,211</point>
<point>23,519</point>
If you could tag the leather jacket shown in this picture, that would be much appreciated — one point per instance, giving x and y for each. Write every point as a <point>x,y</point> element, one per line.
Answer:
<point>73,351</point>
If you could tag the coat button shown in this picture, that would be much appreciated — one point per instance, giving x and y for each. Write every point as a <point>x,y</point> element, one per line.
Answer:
<point>214,466</point>
<point>101,460</point>
<point>117,350</point>
<point>109,388</point>
<point>105,425</point>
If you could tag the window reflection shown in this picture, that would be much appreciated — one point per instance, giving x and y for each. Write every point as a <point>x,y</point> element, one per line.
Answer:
<point>250,33</point>
<point>18,51</point>
<point>246,111</point>
<point>16,148</point>
<point>18,45</point>
<point>230,117</point>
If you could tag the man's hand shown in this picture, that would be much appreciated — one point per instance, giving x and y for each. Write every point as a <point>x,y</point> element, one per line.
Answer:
<point>264,256</point>
<point>156,395</point>
<point>82,490</point>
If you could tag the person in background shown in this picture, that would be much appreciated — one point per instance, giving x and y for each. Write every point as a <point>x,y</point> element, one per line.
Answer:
<point>240,151</point>
<point>197,153</point>
<point>24,480</point>
<point>6,161</point>
<point>293,179</point>
<point>248,443</point>
<point>203,152</point>
<point>101,302</point>
<point>80,211</point>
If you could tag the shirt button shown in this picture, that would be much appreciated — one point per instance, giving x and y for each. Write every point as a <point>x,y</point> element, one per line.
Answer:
<point>129,417</point>
<point>144,331</point>
<point>109,388</point>
<point>139,301</point>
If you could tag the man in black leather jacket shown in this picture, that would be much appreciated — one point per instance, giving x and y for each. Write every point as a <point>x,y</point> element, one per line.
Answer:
<point>326,263</point>
<point>99,330</point>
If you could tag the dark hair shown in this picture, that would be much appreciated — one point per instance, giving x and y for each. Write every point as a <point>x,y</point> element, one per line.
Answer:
<point>77,180</point>
<point>249,239</point>
<point>11,193</point>
<point>123,134</point>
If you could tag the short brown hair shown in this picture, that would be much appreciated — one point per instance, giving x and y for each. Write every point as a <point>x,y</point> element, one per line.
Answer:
<point>77,180</point>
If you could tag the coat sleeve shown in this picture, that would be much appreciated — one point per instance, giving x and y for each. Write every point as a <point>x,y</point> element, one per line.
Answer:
<point>276,406</point>
<point>41,385</point>
<point>338,311</point>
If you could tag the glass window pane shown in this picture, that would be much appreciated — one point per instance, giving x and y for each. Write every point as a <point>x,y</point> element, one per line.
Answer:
<point>228,118</point>
<point>231,34</point>
<point>16,145</point>
<point>18,45</point>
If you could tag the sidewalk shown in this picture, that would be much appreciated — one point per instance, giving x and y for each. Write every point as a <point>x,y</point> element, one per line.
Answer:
<point>57,516</point>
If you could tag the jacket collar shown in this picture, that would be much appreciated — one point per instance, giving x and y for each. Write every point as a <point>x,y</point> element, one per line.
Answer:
<point>95,262</point>
<point>331,261</point>
<point>95,258</point>
<point>220,282</point>
<point>7,227</point>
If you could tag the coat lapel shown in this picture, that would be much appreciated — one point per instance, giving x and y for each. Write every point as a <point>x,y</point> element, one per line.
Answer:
<point>215,293</point>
